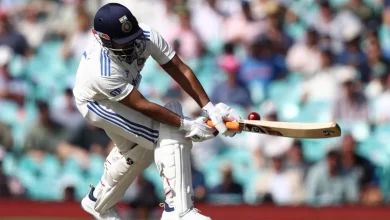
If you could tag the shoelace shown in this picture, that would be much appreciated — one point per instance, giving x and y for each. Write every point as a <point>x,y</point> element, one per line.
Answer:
<point>162,205</point>
<point>196,210</point>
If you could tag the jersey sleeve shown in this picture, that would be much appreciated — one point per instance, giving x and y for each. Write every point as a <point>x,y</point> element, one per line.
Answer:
<point>161,51</point>
<point>114,87</point>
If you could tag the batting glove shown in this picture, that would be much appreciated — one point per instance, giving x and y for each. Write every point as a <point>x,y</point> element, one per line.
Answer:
<point>231,115</point>
<point>197,129</point>
<point>216,116</point>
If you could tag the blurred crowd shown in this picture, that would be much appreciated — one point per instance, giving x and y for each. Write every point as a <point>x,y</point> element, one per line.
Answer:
<point>300,61</point>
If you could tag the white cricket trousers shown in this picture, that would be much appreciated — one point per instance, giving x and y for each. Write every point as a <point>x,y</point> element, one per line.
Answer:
<point>135,137</point>
<point>125,126</point>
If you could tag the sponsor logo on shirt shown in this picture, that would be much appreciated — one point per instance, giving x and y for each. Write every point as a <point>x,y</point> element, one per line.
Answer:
<point>116,92</point>
<point>141,61</point>
<point>136,80</point>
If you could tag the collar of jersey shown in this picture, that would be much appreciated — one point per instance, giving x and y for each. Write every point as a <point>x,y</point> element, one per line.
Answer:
<point>112,56</point>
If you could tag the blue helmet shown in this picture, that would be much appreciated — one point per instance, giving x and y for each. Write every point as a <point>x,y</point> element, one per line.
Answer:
<point>119,31</point>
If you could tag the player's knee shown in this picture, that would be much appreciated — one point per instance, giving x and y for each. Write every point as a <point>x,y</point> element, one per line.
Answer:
<point>165,160</point>
<point>120,163</point>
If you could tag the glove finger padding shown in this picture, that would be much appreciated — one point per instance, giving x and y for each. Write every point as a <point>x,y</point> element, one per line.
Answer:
<point>218,123</point>
<point>216,116</point>
<point>202,132</point>
<point>197,135</point>
<point>230,115</point>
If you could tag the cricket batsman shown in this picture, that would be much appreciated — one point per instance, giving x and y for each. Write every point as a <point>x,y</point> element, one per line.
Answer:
<point>106,95</point>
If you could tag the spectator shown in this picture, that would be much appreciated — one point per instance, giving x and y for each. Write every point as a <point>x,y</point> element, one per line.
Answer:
<point>360,168</point>
<point>379,68</point>
<point>262,8</point>
<point>208,21</point>
<point>10,187</point>
<point>326,185</point>
<point>259,65</point>
<point>354,56</point>
<point>323,84</point>
<point>66,113</point>
<point>295,158</point>
<point>90,138</point>
<point>6,139</point>
<point>231,91</point>
<point>280,41</point>
<point>10,37</point>
<point>160,15</point>
<point>340,26</point>
<point>184,34</point>
<point>32,29</point>
<point>305,58</point>
<point>83,140</point>
<point>242,28</point>
<point>63,15</point>
<point>142,197</point>
<point>69,194</point>
<point>324,21</point>
<point>46,134</point>
<point>382,115</point>
<point>258,144</point>
<point>351,105</point>
<point>199,185</point>
<point>360,9</point>
<point>293,26</point>
<point>281,185</point>
<point>228,185</point>
<point>12,88</point>
<point>78,39</point>
<point>384,33</point>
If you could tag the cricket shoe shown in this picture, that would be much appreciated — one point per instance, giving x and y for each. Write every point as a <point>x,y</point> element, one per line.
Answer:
<point>194,214</point>
<point>88,204</point>
<point>168,213</point>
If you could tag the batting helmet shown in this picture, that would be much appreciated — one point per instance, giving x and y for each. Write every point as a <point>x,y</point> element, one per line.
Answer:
<point>119,31</point>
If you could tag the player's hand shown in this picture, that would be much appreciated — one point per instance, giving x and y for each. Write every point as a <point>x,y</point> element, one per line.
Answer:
<point>197,130</point>
<point>230,115</point>
<point>216,116</point>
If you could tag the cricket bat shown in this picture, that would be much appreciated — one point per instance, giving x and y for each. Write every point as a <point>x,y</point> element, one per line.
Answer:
<point>286,129</point>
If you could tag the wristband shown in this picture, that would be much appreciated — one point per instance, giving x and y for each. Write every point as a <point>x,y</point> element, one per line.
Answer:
<point>185,125</point>
<point>208,108</point>
<point>181,123</point>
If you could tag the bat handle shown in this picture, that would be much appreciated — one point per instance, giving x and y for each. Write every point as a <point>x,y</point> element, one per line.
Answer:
<point>231,125</point>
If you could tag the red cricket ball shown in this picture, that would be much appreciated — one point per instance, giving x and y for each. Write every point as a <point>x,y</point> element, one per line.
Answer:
<point>253,116</point>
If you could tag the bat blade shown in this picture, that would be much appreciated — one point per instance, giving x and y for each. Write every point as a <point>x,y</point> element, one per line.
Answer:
<point>287,129</point>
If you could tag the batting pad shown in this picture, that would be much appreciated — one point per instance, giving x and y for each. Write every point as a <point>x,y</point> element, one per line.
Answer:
<point>172,157</point>
<point>120,171</point>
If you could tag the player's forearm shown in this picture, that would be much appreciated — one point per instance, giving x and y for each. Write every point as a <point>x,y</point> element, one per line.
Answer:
<point>135,100</point>
<point>193,88</point>
<point>159,113</point>
<point>184,76</point>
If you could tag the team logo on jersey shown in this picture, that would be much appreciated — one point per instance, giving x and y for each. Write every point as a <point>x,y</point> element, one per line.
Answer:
<point>127,73</point>
<point>141,61</point>
<point>137,80</point>
<point>116,92</point>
